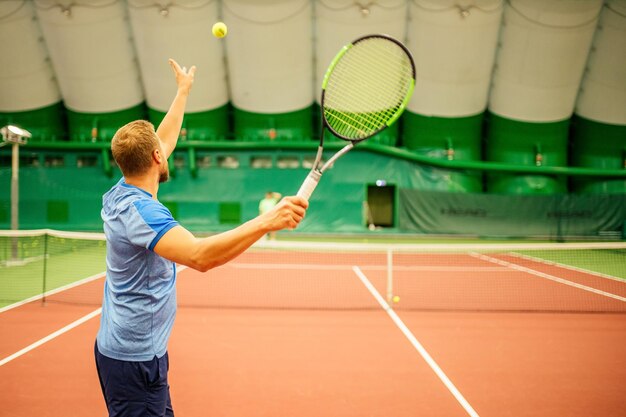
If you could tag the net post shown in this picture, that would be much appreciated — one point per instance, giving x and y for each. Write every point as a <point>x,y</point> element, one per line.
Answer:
<point>15,195</point>
<point>389,275</point>
<point>14,249</point>
<point>45,268</point>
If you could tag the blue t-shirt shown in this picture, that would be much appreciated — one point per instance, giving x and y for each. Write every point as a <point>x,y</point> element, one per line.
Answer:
<point>139,302</point>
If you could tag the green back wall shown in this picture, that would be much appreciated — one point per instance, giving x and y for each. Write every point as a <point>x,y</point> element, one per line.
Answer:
<point>457,138</point>
<point>598,145</point>
<point>525,143</point>
<point>211,125</point>
<point>45,124</point>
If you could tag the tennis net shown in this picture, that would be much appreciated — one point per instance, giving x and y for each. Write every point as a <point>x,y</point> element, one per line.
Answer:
<point>66,267</point>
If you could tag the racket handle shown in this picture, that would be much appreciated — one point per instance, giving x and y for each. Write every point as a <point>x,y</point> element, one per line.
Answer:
<point>309,184</point>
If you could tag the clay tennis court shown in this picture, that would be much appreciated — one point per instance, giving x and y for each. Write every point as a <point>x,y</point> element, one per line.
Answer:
<point>309,334</point>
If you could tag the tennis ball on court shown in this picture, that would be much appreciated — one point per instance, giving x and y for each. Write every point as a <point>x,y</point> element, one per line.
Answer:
<point>396,298</point>
<point>219,30</point>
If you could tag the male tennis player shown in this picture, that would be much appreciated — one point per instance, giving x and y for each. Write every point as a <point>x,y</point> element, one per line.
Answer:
<point>144,243</point>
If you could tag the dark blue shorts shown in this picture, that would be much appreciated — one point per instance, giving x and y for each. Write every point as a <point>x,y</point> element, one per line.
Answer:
<point>135,389</point>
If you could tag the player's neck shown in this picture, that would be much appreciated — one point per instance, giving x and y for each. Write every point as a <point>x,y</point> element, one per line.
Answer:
<point>146,183</point>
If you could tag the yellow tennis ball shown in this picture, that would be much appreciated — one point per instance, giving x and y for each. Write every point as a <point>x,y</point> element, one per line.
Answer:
<point>219,30</point>
<point>396,299</point>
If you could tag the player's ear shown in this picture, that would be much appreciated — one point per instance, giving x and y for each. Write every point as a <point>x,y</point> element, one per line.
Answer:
<point>157,156</point>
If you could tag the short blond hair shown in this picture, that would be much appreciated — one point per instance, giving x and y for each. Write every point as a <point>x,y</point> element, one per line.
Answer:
<point>132,147</point>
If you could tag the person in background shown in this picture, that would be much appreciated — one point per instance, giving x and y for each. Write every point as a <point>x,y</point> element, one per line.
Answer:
<point>267,204</point>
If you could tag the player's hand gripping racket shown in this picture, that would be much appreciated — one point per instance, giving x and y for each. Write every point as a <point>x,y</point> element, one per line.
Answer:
<point>366,88</point>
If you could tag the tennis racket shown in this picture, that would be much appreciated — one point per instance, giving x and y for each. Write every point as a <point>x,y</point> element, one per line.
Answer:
<point>365,90</point>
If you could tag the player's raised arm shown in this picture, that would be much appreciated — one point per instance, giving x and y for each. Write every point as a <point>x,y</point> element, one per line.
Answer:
<point>169,129</point>
<point>180,246</point>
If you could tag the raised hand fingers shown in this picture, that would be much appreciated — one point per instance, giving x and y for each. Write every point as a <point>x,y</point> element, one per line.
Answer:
<point>175,67</point>
<point>184,77</point>
<point>181,70</point>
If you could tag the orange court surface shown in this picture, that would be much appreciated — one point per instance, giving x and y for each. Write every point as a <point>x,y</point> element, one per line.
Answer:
<point>312,336</point>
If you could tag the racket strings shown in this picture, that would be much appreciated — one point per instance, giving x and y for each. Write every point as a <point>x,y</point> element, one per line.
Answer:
<point>362,121</point>
<point>368,99</point>
<point>379,90</point>
<point>367,87</point>
<point>360,124</point>
<point>376,73</point>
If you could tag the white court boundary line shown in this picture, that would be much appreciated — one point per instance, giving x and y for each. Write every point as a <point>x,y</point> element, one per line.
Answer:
<point>547,276</point>
<point>564,266</point>
<point>179,268</point>
<point>416,344</point>
<point>76,323</point>
<point>52,292</point>
<point>51,336</point>
<point>434,268</point>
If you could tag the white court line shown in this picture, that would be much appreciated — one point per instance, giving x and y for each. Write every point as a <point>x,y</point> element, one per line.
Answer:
<point>51,336</point>
<point>416,344</point>
<point>179,268</point>
<point>547,276</point>
<point>564,266</point>
<point>52,292</point>
<point>243,265</point>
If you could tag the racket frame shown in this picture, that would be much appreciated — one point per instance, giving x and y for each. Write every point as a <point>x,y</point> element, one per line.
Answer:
<point>316,171</point>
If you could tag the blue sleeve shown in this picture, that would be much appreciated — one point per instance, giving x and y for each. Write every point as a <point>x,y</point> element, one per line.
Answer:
<point>150,220</point>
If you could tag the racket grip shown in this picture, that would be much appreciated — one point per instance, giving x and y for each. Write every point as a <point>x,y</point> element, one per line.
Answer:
<point>309,184</point>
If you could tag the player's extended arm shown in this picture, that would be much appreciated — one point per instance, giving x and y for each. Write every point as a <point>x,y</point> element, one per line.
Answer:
<point>180,246</point>
<point>169,129</point>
